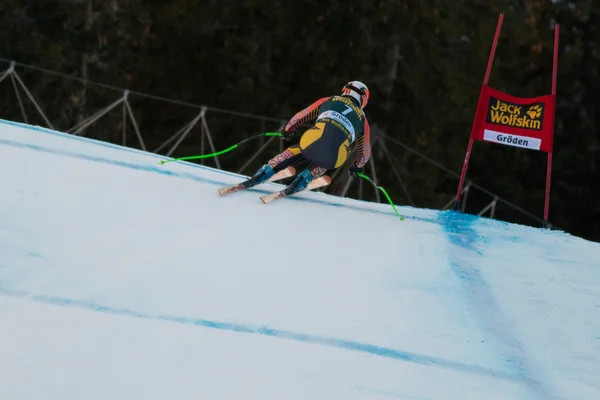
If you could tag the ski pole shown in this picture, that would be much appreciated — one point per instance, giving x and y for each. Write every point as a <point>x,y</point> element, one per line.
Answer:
<point>218,153</point>
<point>383,191</point>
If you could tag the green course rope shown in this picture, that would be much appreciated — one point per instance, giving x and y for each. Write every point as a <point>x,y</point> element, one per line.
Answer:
<point>218,153</point>
<point>383,191</point>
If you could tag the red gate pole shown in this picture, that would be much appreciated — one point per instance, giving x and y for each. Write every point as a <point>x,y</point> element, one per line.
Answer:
<point>549,166</point>
<point>485,82</point>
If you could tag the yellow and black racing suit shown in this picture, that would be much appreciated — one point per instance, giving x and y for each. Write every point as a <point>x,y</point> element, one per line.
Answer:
<point>339,125</point>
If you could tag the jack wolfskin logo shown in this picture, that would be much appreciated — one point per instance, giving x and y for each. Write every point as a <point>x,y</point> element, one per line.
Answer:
<point>515,115</point>
<point>535,111</point>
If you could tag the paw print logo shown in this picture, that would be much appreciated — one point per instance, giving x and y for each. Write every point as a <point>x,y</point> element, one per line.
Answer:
<point>535,111</point>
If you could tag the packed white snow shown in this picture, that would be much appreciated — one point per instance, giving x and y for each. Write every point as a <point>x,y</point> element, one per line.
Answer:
<point>124,279</point>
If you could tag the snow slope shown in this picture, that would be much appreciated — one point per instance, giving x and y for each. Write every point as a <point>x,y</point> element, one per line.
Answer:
<point>123,279</point>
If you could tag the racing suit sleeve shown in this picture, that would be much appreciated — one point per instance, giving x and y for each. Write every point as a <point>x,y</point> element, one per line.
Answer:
<point>308,114</point>
<point>363,151</point>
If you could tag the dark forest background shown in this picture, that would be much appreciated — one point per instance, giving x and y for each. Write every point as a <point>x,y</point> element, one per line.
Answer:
<point>423,60</point>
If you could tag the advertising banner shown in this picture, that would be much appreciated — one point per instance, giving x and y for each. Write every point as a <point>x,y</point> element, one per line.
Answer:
<point>514,121</point>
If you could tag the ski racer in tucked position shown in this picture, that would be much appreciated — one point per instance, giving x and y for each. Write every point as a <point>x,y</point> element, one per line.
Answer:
<point>339,125</point>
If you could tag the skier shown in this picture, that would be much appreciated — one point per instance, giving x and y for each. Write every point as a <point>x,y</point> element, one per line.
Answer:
<point>339,124</point>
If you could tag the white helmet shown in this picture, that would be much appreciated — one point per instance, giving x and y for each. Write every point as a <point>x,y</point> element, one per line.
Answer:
<point>358,91</point>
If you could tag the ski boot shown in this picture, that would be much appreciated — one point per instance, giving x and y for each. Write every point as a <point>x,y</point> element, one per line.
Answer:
<point>265,174</point>
<point>262,175</point>
<point>300,183</point>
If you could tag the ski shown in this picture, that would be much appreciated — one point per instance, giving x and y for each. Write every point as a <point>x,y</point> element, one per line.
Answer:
<point>317,183</point>
<point>286,173</point>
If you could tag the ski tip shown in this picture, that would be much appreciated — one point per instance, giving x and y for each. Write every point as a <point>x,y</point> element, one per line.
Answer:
<point>228,190</point>
<point>266,199</point>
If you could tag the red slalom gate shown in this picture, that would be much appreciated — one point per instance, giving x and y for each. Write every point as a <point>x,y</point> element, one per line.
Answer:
<point>514,121</point>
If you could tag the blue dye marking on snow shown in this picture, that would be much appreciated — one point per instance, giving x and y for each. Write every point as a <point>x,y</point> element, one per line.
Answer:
<point>33,254</point>
<point>275,333</point>
<point>167,172</point>
<point>124,164</point>
<point>102,144</point>
<point>466,243</point>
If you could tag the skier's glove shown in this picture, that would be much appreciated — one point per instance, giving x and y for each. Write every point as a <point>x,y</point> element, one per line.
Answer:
<point>287,136</point>
<point>354,170</point>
